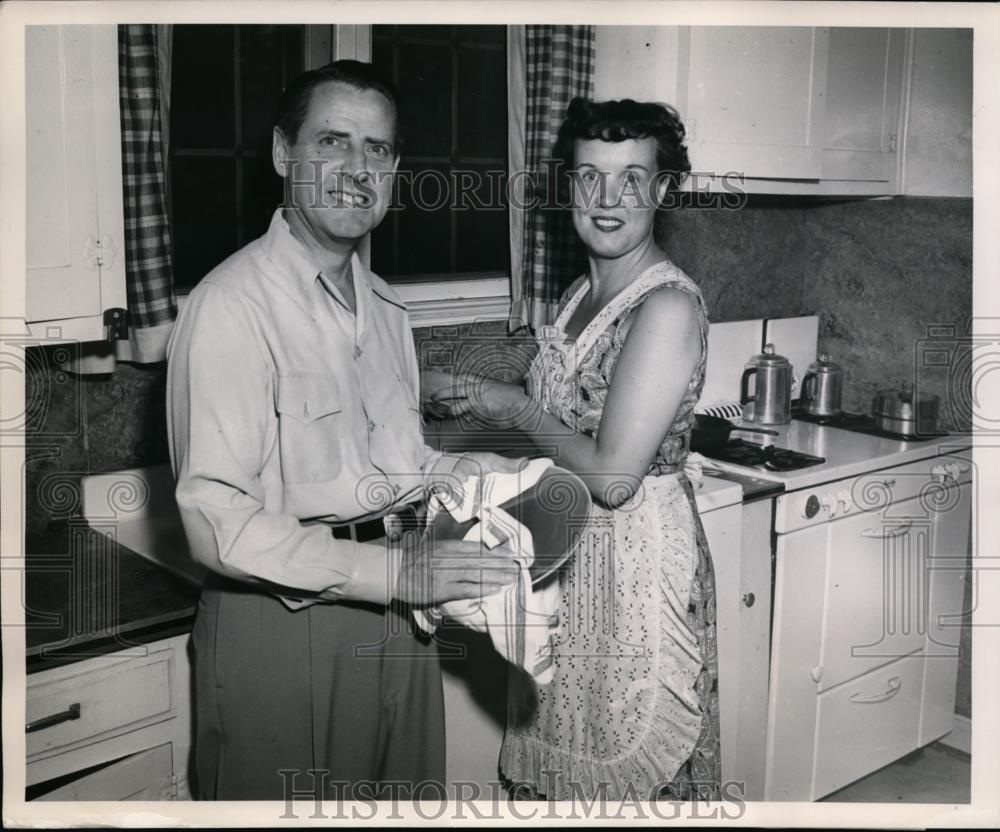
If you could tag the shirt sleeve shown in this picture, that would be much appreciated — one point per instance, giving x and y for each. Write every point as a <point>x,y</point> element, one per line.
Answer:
<point>221,426</point>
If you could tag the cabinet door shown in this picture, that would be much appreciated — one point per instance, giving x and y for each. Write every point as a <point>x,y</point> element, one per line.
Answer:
<point>938,152</point>
<point>755,99</point>
<point>864,84</point>
<point>951,542</point>
<point>147,775</point>
<point>75,240</point>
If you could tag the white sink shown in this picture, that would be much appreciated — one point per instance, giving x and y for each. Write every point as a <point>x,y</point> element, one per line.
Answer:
<point>136,508</point>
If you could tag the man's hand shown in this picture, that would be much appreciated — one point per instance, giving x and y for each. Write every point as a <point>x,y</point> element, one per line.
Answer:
<point>437,571</point>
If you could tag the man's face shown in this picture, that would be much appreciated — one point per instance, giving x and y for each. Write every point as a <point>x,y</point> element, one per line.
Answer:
<point>338,171</point>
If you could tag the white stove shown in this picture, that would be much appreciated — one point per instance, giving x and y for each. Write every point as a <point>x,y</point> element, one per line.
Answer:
<point>868,550</point>
<point>845,453</point>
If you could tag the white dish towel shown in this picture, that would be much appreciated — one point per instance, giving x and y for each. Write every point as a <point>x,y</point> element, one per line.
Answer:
<point>522,621</point>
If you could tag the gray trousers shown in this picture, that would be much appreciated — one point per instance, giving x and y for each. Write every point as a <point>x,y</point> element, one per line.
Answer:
<point>348,692</point>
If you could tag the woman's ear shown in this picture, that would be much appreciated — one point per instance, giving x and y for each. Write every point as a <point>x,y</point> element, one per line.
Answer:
<point>662,184</point>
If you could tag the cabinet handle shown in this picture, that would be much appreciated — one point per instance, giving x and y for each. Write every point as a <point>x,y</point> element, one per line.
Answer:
<point>749,599</point>
<point>891,532</point>
<point>72,712</point>
<point>892,688</point>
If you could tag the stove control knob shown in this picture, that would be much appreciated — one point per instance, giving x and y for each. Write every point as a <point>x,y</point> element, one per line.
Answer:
<point>829,503</point>
<point>844,498</point>
<point>812,507</point>
<point>952,469</point>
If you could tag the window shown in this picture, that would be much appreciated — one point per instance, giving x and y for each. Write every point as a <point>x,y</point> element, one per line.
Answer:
<point>225,85</point>
<point>449,217</point>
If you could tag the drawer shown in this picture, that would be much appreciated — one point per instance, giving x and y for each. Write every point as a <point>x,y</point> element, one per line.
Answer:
<point>112,695</point>
<point>866,724</point>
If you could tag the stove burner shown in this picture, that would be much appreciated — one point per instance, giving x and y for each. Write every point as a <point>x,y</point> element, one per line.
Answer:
<point>860,423</point>
<point>769,457</point>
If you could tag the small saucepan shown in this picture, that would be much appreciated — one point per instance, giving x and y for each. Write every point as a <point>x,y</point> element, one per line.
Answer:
<point>711,433</point>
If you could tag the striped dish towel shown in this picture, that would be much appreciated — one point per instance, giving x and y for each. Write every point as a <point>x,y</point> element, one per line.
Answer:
<point>522,621</point>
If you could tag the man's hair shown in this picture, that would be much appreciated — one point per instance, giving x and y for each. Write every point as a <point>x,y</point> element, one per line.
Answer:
<point>295,100</point>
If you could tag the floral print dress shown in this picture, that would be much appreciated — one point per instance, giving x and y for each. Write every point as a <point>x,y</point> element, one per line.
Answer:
<point>632,711</point>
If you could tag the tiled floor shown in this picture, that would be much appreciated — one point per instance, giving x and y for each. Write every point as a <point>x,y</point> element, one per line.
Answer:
<point>935,774</point>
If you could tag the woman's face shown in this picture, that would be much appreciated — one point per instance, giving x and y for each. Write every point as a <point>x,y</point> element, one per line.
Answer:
<point>614,194</point>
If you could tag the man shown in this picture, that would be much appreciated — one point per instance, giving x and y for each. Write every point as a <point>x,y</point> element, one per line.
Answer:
<point>293,413</point>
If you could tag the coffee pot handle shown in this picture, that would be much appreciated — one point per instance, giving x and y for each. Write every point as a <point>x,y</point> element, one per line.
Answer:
<point>806,392</point>
<point>745,396</point>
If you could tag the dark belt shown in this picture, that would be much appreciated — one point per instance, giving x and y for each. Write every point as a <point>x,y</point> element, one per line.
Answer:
<point>368,530</point>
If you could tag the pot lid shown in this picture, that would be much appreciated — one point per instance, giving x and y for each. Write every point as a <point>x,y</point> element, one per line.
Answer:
<point>824,364</point>
<point>769,358</point>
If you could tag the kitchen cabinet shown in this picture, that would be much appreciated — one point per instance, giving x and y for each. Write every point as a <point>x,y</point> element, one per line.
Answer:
<point>148,775</point>
<point>130,708</point>
<point>75,251</point>
<point>866,628</point>
<point>864,86</point>
<point>844,111</point>
<point>938,129</point>
<point>752,99</point>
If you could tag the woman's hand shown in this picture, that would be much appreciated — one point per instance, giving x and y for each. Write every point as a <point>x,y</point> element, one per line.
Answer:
<point>490,403</point>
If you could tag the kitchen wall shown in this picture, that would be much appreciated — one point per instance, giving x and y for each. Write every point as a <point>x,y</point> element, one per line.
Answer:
<point>877,272</point>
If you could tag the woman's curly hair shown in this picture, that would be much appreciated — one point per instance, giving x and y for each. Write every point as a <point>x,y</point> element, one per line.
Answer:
<point>616,121</point>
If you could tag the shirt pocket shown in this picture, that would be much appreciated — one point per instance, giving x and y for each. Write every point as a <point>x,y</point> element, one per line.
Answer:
<point>310,427</point>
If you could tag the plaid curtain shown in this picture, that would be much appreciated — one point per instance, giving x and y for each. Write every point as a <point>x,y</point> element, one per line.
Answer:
<point>149,274</point>
<point>558,65</point>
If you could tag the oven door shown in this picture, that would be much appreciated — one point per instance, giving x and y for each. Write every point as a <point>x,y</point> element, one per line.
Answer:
<point>857,599</point>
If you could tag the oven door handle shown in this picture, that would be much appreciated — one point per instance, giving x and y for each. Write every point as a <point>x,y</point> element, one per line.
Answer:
<point>893,531</point>
<point>892,688</point>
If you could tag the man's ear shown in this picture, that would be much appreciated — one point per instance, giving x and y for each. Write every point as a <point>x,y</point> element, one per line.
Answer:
<point>279,153</point>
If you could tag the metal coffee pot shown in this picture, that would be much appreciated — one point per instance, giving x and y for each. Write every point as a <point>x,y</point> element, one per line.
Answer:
<point>822,387</point>
<point>772,389</point>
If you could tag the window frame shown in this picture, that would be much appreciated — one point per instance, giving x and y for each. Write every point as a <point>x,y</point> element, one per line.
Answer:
<point>432,300</point>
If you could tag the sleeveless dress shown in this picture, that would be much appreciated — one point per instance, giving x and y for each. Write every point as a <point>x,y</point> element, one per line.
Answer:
<point>632,711</point>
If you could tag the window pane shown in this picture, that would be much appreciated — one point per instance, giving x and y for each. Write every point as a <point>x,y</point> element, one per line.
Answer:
<point>202,98</point>
<point>422,228</point>
<point>266,52</point>
<point>483,34</point>
<point>425,99</point>
<point>204,215</point>
<point>262,193</point>
<point>481,242</point>
<point>482,102</point>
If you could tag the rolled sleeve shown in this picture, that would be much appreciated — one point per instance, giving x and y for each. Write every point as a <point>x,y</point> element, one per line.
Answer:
<point>222,429</point>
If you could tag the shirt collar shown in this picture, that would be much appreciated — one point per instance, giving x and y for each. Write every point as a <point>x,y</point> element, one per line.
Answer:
<point>298,274</point>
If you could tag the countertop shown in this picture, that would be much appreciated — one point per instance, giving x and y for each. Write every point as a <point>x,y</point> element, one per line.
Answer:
<point>86,595</point>
<point>847,453</point>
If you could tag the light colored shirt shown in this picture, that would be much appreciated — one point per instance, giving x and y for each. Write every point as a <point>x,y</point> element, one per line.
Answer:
<point>284,406</point>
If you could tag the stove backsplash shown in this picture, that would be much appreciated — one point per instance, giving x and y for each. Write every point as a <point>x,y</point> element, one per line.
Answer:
<point>880,274</point>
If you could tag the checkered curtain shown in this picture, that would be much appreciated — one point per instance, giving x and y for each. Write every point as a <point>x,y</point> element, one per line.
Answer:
<point>557,63</point>
<point>149,274</point>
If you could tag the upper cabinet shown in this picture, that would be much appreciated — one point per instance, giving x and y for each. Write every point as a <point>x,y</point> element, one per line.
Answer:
<point>938,129</point>
<point>800,110</point>
<point>75,253</point>
<point>761,110</point>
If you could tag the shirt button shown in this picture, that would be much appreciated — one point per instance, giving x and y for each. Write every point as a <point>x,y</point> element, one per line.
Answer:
<point>357,352</point>
<point>371,426</point>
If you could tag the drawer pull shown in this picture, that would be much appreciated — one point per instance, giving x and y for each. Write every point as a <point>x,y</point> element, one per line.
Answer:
<point>72,712</point>
<point>893,531</point>
<point>891,690</point>
<point>749,598</point>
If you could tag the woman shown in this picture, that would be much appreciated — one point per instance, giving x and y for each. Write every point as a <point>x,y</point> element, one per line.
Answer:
<point>633,708</point>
